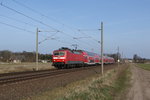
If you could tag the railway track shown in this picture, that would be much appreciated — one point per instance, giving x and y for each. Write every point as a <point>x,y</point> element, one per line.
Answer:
<point>18,77</point>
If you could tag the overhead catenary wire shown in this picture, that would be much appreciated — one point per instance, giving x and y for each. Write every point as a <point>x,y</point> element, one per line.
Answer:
<point>16,27</point>
<point>33,33</point>
<point>50,18</point>
<point>37,12</point>
<point>20,21</point>
<point>38,21</point>
<point>47,38</point>
<point>20,28</point>
<point>89,36</point>
<point>41,14</point>
<point>32,18</point>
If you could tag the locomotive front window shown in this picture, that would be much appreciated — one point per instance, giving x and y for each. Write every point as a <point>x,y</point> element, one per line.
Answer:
<point>59,53</point>
<point>56,53</point>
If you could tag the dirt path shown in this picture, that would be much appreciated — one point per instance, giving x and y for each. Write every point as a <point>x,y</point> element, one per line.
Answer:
<point>140,89</point>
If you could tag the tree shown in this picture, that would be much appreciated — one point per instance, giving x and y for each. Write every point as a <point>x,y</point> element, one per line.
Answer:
<point>135,57</point>
<point>116,56</point>
<point>5,55</point>
<point>138,59</point>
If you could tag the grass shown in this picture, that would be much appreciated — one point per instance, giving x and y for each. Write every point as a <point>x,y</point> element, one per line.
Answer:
<point>121,84</point>
<point>103,90</point>
<point>144,66</point>
<point>107,87</point>
<point>19,67</point>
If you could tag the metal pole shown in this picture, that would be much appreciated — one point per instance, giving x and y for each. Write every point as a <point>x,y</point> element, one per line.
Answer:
<point>118,57</point>
<point>37,49</point>
<point>76,47</point>
<point>102,48</point>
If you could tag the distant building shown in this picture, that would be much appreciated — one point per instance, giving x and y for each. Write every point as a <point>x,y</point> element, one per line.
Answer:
<point>44,61</point>
<point>16,61</point>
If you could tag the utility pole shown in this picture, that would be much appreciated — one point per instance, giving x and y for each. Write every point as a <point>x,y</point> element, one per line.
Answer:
<point>118,57</point>
<point>122,60</point>
<point>102,64</point>
<point>37,48</point>
<point>37,43</point>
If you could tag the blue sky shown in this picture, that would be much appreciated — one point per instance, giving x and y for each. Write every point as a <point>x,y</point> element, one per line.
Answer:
<point>126,24</point>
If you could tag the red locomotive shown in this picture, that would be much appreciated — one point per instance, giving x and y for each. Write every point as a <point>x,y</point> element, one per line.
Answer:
<point>66,58</point>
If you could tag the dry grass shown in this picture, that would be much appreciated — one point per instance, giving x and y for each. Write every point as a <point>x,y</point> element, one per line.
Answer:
<point>10,67</point>
<point>76,87</point>
<point>96,87</point>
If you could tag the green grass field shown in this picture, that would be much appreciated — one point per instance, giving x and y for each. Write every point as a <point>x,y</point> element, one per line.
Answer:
<point>144,66</point>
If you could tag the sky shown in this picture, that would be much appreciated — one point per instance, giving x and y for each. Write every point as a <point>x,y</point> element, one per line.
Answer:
<point>63,23</point>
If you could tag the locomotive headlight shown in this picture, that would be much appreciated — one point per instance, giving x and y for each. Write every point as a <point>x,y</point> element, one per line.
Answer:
<point>54,60</point>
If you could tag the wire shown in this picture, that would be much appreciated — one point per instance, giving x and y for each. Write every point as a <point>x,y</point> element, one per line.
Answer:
<point>50,37</point>
<point>37,12</point>
<point>38,21</point>
<point>23,23</point>
<point>17,27</point>
<point>90,30</point>
<point>22,29</point>
<point>35,20</point>
<point>89,36</point>
<point>18,20</point>
<point>26,7</point>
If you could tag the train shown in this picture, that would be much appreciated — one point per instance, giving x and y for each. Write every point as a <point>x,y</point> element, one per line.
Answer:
<point>67,58</point>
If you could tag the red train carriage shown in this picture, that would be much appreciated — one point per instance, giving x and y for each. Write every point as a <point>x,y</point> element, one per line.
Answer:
<point>111,60</point>
<point>91,58</point>
<point>107,60</point>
